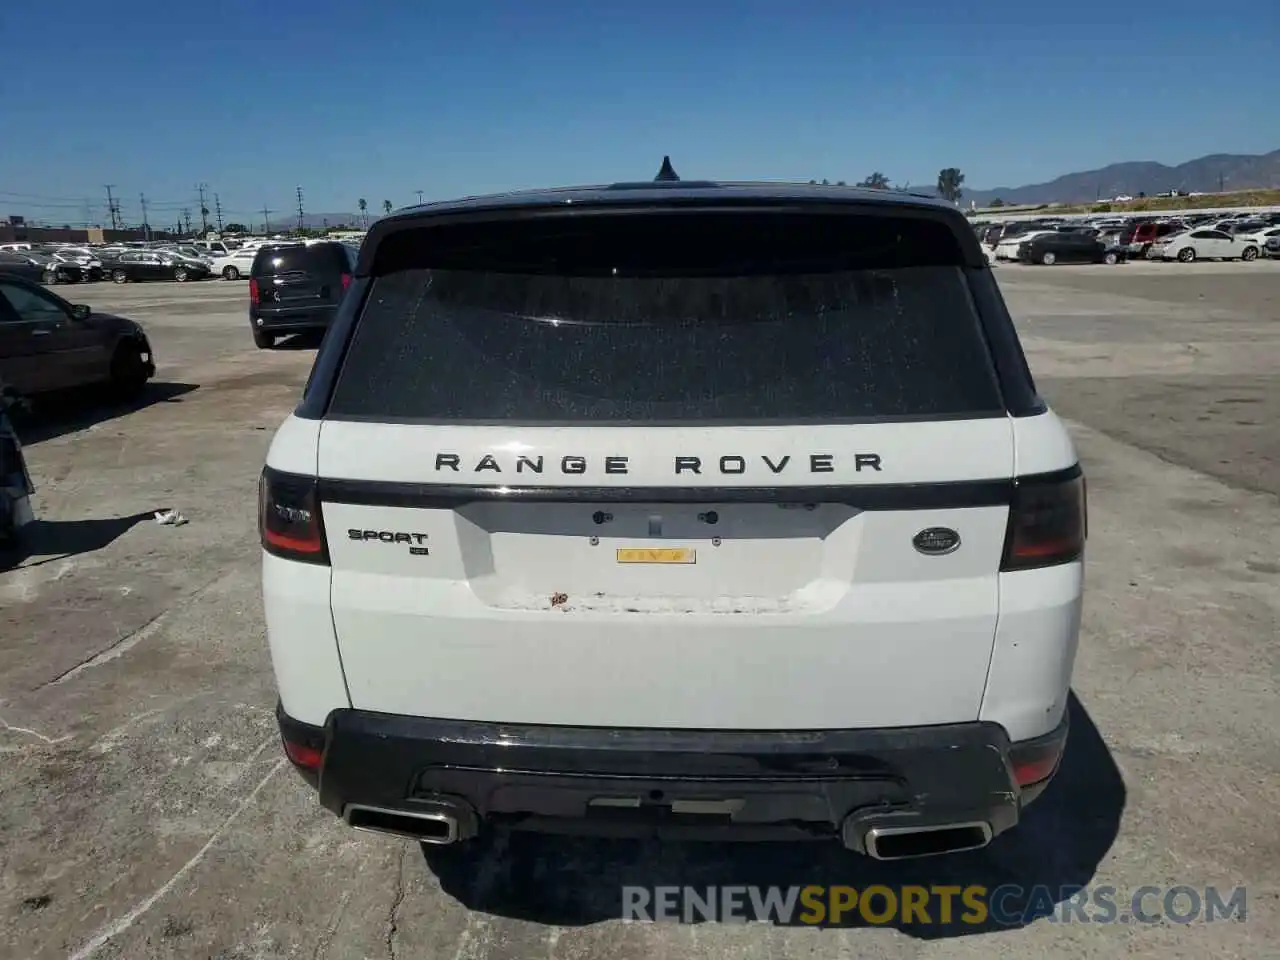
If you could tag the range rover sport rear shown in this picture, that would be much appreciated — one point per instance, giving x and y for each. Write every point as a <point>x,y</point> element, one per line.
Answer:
<point>675,507</point>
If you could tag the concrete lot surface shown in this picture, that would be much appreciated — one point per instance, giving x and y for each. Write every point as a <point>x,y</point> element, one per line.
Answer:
<point>145,810</point>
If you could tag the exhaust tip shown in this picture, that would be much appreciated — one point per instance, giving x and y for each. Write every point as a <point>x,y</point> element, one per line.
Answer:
<point>427,826</point>
<point>901,843</point>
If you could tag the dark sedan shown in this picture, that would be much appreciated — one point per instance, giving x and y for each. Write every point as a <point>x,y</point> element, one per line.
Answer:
<point>48,344</point>
<point>1068,247</point>
<point>138,265</point>
<point>37,266</point>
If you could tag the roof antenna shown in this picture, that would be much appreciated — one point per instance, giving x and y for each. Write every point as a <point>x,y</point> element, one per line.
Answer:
<point>667,173</point>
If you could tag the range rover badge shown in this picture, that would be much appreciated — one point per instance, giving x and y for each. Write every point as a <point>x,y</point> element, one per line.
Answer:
<point>936,541</point>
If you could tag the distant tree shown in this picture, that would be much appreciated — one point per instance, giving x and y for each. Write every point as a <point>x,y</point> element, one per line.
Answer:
<point>1142,195</point>
<point>364,205</point>
<point>814,182</point>
<point>386,206</point>
<point>997,202</point>
<point>841,183</point>
<point>876,181</point>
<point>826,182</point>
<point>237,228</point>
<point>950,180</point>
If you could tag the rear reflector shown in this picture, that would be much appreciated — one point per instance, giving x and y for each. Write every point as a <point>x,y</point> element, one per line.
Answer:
<point>1047,522</point>
<point>289,517</point>
<point>1035,769</point>
<point>301,755</point>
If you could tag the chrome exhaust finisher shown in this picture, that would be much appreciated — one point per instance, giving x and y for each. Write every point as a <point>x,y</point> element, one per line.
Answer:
<point>428,825</point>
<point>901,843</point>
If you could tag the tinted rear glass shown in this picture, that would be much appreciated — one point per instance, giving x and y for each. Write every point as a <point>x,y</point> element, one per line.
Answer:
<point>317,258</point>
<point>732,319</point>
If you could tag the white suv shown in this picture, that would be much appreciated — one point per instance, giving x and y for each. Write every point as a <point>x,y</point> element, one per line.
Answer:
<point>723,508</point>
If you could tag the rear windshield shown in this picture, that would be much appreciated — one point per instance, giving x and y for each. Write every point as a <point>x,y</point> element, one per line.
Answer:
<point>768,319</point>
<point>316,258</point>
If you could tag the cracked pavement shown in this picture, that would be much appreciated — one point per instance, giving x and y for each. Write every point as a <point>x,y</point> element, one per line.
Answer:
<point>145,811</point>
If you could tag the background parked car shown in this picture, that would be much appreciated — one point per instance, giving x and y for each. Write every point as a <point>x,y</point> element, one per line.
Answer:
<point>1203,244</point>
<point>188,252</point>
<point>1272,247</point>
<point>234,265</point>
<point>48,344</point>
<point>89,263</point>
<point>138,265</point>
<point>1147,233</point>
<point>38,267</point>
<point>297,287</point>
<point>1066,246</point>
<point>1260,237</point>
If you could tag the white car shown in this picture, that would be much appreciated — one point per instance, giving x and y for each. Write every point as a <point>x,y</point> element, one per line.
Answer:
<point>1260,237</point>
<point>1203,244</point>
<point>604,508</point>
<point>234,265</point>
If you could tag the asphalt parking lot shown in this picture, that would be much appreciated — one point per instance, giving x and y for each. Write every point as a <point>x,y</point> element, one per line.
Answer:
<point>145,810</point>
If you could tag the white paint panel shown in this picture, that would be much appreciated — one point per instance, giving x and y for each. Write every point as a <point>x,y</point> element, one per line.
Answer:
<point>304,650</point>
<point>293,448</point>
<point>1035,649</point>
<point>915,452</point>
<point>1042,444</point>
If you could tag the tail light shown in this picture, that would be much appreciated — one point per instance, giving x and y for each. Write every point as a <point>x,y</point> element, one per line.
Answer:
<point>253,290</point>
<point>346,280</point>
<point>1047,522</point>
<point>1036,761</point>
<point>289,520</point>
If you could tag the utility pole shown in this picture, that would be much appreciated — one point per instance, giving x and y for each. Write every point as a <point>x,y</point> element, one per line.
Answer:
<point>111,208</point>
<point>186,215</point>
<point>266,220</point>
<point>204,209</point>
<point>146,229</point>
<point>1220,182</point>
<point>419,193</point>
<point>217,205</point>
<point>300,214</point>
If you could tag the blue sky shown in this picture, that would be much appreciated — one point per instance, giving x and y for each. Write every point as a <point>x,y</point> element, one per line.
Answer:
<point>385,98</point>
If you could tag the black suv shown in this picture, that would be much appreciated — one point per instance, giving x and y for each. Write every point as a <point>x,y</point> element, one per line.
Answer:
<point>297,286</point>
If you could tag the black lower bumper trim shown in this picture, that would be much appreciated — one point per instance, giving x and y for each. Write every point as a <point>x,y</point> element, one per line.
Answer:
<point>671,781</point>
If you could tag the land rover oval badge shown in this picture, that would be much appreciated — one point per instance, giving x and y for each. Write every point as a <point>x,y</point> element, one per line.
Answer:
<point>936,541</point>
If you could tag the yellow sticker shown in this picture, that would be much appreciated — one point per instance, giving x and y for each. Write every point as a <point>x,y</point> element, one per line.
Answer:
<point>656,555</point>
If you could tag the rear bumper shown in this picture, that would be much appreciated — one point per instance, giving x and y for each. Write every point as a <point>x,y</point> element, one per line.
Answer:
<point>720,784</point>
<point>278,321</point>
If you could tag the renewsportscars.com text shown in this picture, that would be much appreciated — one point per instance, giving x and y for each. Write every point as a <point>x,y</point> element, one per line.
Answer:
<point>975,905</point>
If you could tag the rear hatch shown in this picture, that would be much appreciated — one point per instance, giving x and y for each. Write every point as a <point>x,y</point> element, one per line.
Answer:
<point>301,278</point>
<point>735,470</point>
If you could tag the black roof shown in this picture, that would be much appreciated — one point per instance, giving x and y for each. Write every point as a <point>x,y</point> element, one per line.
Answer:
<point>649,191</point>
<point>666,194</point>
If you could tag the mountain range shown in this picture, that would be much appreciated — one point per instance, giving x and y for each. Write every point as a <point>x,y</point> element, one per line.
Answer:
<point>1215,173</point>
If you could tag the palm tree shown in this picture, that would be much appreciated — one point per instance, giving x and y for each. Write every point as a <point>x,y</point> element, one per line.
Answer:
<point>386,206</point>
<point>364,205</point>
<point>876,181</point>
<point>949,181</point>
